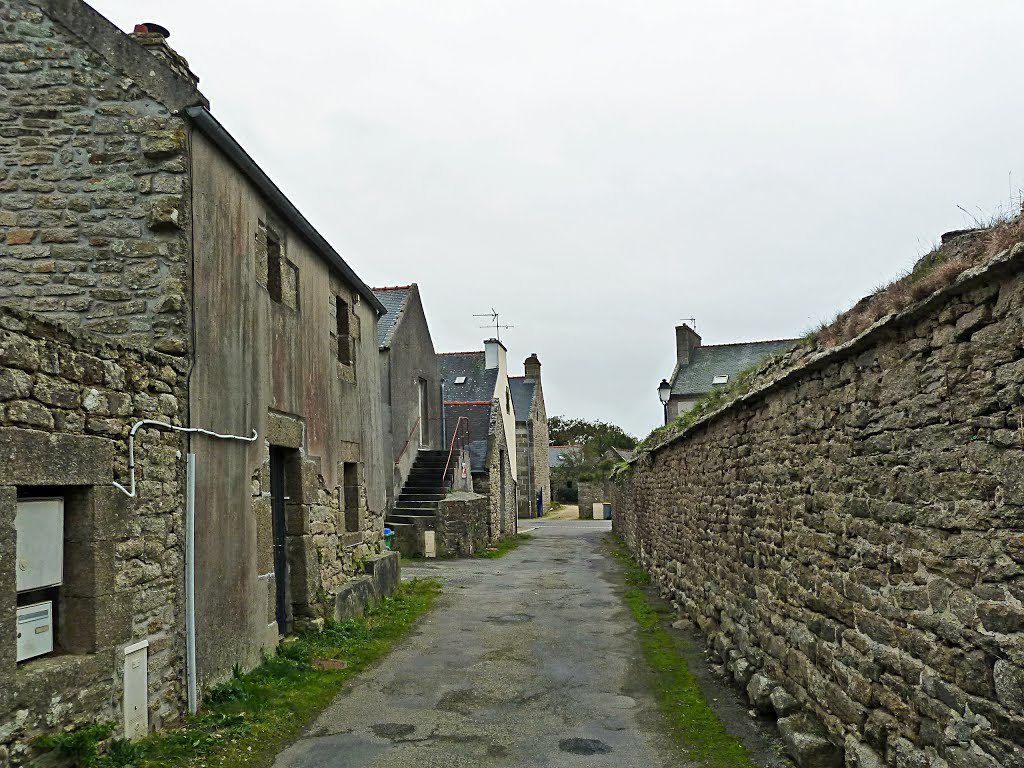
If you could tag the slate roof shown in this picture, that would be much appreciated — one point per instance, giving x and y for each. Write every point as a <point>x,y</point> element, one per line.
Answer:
<point>556,452</point>
<point>623,453</point>
<point>522,396</point>
<point>480,382</point>
<point>712,360</point>
<point>394,300</point>
<point>471,399</point>
<point>478,417</point>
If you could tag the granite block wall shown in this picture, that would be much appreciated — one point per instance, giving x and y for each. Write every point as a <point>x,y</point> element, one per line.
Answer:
<point>850,535</point>
<point>67,402</point>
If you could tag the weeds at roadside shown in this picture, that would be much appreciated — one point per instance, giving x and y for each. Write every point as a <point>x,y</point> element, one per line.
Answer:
<point>504,546</point>
<point>691,722</point>
<point>247,719</point>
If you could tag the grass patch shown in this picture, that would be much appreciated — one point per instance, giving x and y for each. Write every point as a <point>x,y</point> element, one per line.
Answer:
<point>692,723</point>
<point>247,720</point>
<point>504,546</point>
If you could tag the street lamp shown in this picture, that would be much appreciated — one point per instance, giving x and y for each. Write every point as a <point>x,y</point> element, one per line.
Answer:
<point>664,393</point>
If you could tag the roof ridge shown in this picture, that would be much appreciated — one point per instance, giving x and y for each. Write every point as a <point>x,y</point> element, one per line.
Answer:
<point>744,343</point>
<point>467,402</point>
<point>473,352</point>
<point>393,287</point>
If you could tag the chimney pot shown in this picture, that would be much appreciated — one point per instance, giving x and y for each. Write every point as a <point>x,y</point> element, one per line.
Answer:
<point>149,27</point>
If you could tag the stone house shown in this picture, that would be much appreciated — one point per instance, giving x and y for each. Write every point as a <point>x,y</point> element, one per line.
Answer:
<point>531,440</point>
<point>130,212</point>
<point>478,398</point>
<point>700,367</point>
<point>410,382</point>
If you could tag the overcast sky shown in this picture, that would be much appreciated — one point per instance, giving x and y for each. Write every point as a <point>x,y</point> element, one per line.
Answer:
<point>597,171</point>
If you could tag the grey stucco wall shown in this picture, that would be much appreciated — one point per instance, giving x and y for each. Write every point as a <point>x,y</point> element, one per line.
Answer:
<point>410,358</point>
<point>257,360</point>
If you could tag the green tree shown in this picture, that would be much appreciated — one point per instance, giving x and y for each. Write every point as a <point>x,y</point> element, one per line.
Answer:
<point>594,437</point>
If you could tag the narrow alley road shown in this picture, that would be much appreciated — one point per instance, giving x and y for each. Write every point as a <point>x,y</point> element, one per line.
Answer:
<point>528,660</point>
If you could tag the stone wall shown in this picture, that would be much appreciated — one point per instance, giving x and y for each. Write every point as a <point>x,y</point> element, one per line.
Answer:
<point>850,535</point>
<point>502,520</point>
<point>93,175</point>
<point>462,525</point>
<point>67,402</point>
<point>591,492</point>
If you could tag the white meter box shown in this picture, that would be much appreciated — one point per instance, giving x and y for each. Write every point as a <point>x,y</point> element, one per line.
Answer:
<point>35,630</point>
<point>39,532</point>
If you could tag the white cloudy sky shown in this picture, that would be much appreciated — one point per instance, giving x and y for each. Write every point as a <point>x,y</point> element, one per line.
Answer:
<point>597,171</point>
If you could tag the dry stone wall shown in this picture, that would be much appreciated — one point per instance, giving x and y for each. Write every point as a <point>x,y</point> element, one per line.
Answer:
<point>850,536</point>
<point>67,402</point>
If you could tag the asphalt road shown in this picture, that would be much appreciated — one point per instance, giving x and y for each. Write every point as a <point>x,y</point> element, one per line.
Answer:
<point>528,660</point>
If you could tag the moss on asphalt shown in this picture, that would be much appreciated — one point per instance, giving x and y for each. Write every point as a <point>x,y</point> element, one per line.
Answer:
<point>504,546</point>
<point>690,720</point>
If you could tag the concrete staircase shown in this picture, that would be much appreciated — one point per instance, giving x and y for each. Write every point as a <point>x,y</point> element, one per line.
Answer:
<point>416,507</point>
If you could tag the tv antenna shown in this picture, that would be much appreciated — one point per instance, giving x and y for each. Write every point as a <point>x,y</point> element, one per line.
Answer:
<point>494,323</point>
<point>691,321</point>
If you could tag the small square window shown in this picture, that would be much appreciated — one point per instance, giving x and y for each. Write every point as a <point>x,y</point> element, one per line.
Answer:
<point>721,379</point>
<point>274,267</point>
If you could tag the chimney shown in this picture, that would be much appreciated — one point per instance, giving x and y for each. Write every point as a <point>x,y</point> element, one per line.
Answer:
<point>687,341</point>
<point>494,354</point>
<point>532,368</point>
<point>153,38</point>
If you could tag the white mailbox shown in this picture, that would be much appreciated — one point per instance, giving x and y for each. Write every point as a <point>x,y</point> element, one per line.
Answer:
<point>35,630</point>
<point>39,532</point>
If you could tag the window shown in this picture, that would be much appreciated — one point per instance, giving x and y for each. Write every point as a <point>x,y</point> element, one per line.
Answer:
<point>460,379</point>
<point>274,273</point>
<point>508,401</point>
<point>282,276</point>
<point>720,379</point>
<point>344,337</point>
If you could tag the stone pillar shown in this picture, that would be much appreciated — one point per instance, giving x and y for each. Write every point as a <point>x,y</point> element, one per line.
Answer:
<point>8,594</point>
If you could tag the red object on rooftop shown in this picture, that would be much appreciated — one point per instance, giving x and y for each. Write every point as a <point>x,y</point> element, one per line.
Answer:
<point>151,28</point>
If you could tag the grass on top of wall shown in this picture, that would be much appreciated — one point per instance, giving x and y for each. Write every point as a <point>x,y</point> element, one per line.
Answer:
<point>691,722</point>
<point>248,719</point>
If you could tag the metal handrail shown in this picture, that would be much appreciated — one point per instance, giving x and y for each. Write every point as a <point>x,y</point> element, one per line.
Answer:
<point>407,442</point>
<point>455,436</point>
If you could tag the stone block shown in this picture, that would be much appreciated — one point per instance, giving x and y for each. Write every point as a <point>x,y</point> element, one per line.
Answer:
<point>354,597</point>
<point>297,519</point>
<point>89,569</point>
<point>284,431</point>
<point>90,624</point>
<point>31,457</point>
<point>385,570</point>
<point>759,691</point>
<point>1009,684</point>
<point>8,592</point>
<point>263,514</point>
<point>101,513</point>
<point>303,575</point>
<point>860,755</point>
<point>808,744</point>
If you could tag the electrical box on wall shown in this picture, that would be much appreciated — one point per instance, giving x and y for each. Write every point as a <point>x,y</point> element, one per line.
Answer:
<point>35,630</point>
<point>39,536</point>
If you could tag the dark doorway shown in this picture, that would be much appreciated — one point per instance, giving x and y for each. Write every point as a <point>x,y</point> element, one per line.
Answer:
<point>278,499</point>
